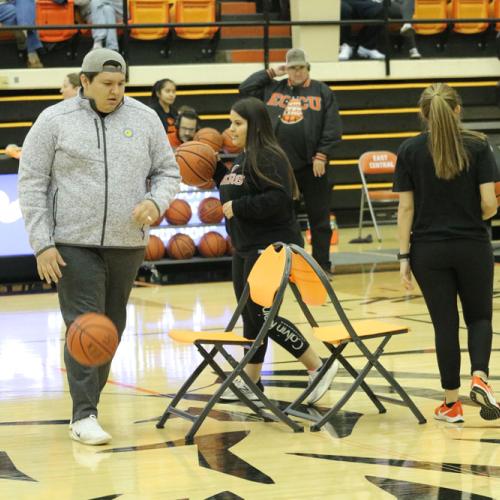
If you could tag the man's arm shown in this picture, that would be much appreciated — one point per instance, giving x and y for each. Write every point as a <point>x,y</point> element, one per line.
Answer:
<point>332,126</point>
<point>256,83</point>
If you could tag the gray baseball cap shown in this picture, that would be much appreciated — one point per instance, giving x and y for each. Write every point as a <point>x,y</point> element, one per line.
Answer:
<point>296,57</point>
<point>95,62</point>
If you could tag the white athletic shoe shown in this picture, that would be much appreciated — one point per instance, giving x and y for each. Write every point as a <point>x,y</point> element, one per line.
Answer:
<point>229,395</point>
<point>88,431</point>
<point>345,52</point>
<point>365,53</point>
<point>414,53</point>
<point>324,383</point>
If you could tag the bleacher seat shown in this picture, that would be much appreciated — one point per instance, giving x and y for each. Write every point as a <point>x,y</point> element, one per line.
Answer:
<point>430,9</point>
<point>471,9</point>
<point>51,13</point>
<point>195,11</point>
<point>149,11</point>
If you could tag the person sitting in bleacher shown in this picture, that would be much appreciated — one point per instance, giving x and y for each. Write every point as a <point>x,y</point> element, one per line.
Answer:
<point>70,86</point>
<point>367,36</point>
<point>102,12</point>
<point>22,12</point>
<point>162,101</point>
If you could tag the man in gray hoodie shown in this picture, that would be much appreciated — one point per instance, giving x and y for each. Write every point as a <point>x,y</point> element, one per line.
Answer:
<point>96,171</point>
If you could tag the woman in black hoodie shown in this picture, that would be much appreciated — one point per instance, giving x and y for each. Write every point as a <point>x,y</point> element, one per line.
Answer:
<point>257,197</point>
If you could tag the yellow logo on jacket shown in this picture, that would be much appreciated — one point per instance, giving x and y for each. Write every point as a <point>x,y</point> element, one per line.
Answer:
<point>128,132</point>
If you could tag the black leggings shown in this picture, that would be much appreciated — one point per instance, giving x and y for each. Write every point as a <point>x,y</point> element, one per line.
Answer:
<point>282,331</point>
<point>443,270</point>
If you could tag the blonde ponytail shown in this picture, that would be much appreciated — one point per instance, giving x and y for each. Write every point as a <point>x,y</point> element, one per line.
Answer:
<point>439,106</point>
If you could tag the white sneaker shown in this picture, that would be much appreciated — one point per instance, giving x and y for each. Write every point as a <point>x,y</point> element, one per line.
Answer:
<point>406,29</point>
<point>415,54</point>
<point>229,395</point>
<point>345,52</point>
<point>365,53</point>
<point>88,431</point>
<point>324,383</point>
<point>97,44</point>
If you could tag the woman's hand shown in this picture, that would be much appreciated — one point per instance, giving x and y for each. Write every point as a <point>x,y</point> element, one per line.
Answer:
<point>405,274</point>
<point>227,209</point>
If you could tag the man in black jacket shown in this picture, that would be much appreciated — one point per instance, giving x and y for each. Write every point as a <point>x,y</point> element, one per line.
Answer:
<point>306,121</point>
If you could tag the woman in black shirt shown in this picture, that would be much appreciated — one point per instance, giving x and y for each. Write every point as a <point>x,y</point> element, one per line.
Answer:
<point>445,177</point>
<point>257,197</point>
<point>163,97</point>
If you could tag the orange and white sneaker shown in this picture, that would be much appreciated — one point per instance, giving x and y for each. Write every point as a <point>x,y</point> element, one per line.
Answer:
<point>452,415</point>
<point>482,394</point>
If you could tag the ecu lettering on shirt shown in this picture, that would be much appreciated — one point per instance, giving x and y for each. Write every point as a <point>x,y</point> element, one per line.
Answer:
<point>233,179</point>
<point>307,102</point>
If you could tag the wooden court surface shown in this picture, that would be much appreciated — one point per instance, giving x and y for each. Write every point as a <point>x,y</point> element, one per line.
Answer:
<point>360,455</point>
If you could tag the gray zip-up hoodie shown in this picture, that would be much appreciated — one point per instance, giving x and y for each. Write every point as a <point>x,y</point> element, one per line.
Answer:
<point>82,174</point>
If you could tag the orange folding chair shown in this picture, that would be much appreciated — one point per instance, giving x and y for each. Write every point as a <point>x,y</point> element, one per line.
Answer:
<point>196,11</point>
<point>375,164</point>
<point>470,9</point>
<point>266,286</point>
<point>49,12</point>
<point>149,11</point>
<point>312,287</point>
<point>430,9</point>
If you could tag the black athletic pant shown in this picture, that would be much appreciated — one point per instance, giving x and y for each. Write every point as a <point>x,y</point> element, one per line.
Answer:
<point>445,270</point>
<point>316,192</point>
<point>94,280</point>
<point>282,331</point>
<point>361,9</point>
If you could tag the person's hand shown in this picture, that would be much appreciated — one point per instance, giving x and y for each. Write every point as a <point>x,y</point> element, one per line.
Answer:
<point>318,168</point>
<point>48,265</point>
<point>227,209</point>
<point>280,70</point>
<point>145,213</point>
<point>405,274</point>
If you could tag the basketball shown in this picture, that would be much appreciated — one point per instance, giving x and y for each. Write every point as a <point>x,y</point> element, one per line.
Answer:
<point>227,143</point>
<point>196,162</point>
<point>212,244</point>
<point>210,210</point>
<point>92,339</point>
<point>155,249</point>
<point>178,213</point>
<point>181,246</point>
<point>211,137</point>
<point>497,192</point>
<point>229,246</point>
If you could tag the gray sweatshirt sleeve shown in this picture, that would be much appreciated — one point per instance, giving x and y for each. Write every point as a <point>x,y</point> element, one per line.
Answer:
<point>34,181</point>
<point>164,173</point>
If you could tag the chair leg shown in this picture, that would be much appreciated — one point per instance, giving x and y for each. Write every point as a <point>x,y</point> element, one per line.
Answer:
<point>372,213</point>
<point>182,391</point>
<point>361,212</point>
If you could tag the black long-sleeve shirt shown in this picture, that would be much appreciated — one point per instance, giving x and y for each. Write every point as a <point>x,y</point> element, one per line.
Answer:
<point>263,212</point>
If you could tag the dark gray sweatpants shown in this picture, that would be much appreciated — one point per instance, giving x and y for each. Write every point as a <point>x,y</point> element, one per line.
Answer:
<point>94,280</point>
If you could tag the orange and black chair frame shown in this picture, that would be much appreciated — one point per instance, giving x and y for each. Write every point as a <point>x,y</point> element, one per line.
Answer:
<point>311,287</point>
<point>375,163</point>
<point>266,286</point>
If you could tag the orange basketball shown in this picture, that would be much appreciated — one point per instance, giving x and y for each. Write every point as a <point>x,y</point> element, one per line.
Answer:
<point>155,250</point>
<point>497,192</point>
<point>229,246</point>
<point>212,244</point>
<point>211,137</point>
<point>227,143</point>
<point>196,162</point>
<point>210,210</point>
<point>92,339</point>
<point>181,246</point>
<point>178,213</point>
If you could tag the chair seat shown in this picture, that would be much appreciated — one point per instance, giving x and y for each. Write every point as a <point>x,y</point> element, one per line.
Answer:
<point>190,337</point>
<point>336,334</point>
<point>383,195</point>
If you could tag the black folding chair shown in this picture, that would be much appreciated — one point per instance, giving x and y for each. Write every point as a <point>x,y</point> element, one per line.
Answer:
<point>266,286</point>
<point>311,287</point>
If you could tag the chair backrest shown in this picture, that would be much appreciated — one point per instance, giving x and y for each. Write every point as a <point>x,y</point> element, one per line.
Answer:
<point>495,12</point>
<point>430,9</point>
<point>195,11</point>
<point>311,288</point>
<point>470,9</point>
<point>268,274</point>
<point>49,12</point>
<point>377,162</point>
<point>149,11</point>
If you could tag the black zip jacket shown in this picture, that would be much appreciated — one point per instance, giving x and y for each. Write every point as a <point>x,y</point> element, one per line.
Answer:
<point>322,124</point>
<point>263,212</point>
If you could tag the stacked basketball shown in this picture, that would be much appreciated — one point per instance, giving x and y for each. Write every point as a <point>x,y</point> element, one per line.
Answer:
<point>196,162</point>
